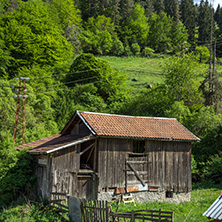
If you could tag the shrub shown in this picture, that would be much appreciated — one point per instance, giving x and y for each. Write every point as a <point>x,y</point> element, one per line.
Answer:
<point>128,51</point>
<point>135,48</point>
<point>118,48</point>
<point>16,172</point>
<point>202,54</point>
<point>148,52</point>
<point>213,168</point>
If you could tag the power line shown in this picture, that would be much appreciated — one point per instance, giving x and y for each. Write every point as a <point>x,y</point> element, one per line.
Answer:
<point>69,73</point>
<point>68,88</point>
<point>90,70</point>
<point>74,81</point>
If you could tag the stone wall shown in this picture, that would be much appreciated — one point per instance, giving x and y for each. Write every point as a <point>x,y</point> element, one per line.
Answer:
<point>144,197</point>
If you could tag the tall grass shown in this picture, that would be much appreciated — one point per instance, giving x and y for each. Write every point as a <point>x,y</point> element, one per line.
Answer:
<point>201,199</point>
<point>29,213</point>
<point>144,70</point>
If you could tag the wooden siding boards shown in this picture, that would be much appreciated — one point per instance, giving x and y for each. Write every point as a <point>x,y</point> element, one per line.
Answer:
<point>169,165</point>
<point>66,164</point>
<point>111,161</point>
<point>164,164</point>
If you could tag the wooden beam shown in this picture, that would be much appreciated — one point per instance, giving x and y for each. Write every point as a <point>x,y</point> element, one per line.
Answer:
<point>136,174</point>
<point>90,154</point>
<point>138,161</point>
<point>86,149</point>
<point>95,156</point>
<point>139,172</point>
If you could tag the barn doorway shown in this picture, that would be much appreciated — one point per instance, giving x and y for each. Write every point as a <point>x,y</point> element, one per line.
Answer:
<point>87,186</point>
<point>88,156</point>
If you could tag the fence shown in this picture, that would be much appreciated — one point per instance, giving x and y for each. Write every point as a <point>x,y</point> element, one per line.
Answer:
<point>143,215</point>
<point>95,211</point>
<point>100,211</point>
<point>57,204</point>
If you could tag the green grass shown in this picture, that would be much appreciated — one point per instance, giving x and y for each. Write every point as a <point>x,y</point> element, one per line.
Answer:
<point>25,213</point>
<point>201,199</point>
<point>145,70</point>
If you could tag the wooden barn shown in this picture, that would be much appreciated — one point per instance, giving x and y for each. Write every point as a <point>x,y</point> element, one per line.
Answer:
<point>100,153</point>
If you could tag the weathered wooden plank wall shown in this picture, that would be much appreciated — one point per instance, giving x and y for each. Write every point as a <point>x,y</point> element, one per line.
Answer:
<point>66,164</point>
<point>111,161</point>
<point>165,164</point>
<point>43,171</point>
<point>170,165</point>
<point>140,164</point>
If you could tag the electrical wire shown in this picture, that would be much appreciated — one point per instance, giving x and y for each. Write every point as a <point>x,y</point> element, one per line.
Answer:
<point>74,81</point>
<point>69,73</point>
<point>67,88</point>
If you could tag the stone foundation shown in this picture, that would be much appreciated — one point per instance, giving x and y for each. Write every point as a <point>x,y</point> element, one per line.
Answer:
<point>147,196</point>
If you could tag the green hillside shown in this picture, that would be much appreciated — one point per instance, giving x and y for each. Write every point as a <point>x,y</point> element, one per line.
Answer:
<point>144,70</point>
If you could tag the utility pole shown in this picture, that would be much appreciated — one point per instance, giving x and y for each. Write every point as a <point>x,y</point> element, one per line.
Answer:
<point>182,50</point>
<point>211,86</point>
<point>18,119</point>
<point>214,58</point>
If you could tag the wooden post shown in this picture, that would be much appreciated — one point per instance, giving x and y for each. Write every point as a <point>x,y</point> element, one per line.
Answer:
<point>17,110</point>
<point>95,156</point>
<point>132,216</point>
<point>23,113</point>
<point>182,50</point>
<point>126,175</point>
<point>107,212</point>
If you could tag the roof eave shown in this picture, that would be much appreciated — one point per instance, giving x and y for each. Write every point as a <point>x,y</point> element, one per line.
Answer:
<point>64,146</point>
<point>149,138</point>
<point>86,123</point>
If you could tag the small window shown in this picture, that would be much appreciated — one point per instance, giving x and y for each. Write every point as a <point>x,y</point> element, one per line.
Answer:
<point>169,194</point>
<point>138,146</point>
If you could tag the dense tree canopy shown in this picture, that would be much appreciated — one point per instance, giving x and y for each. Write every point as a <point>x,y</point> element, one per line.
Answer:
<point>32,37</point>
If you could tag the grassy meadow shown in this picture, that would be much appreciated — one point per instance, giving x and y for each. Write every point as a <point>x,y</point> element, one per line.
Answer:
<point>201,199</point>
<point>145,70</point>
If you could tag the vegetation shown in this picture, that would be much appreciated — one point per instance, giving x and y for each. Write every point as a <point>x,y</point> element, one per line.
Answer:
<point>29,212</point>
<point>84,55</point>
<point>201,199</point>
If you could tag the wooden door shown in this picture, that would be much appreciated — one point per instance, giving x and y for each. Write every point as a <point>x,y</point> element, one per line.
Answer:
<point>87,187</point>
<point>136,172</point>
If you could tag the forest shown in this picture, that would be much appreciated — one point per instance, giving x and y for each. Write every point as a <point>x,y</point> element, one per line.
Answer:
<point>63,51</point>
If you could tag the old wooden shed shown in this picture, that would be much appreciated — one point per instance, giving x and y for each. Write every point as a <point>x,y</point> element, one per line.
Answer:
<point>100,153</point>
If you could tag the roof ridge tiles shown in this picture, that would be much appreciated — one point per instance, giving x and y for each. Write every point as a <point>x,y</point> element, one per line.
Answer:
<point>120,115</point>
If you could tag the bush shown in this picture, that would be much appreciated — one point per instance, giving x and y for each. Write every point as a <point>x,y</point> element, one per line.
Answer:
<point>213,168</point>
<point>128,51</point>
<point>202,54</point>
<point>118,48</point>
<point>135,48</point>
<point>25,213</point>
<point>148,52</point>
<point>16,173</point>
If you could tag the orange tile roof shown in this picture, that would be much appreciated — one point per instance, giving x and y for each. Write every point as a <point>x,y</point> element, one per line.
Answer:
<point>110,125</point>
<point>136,127</point>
